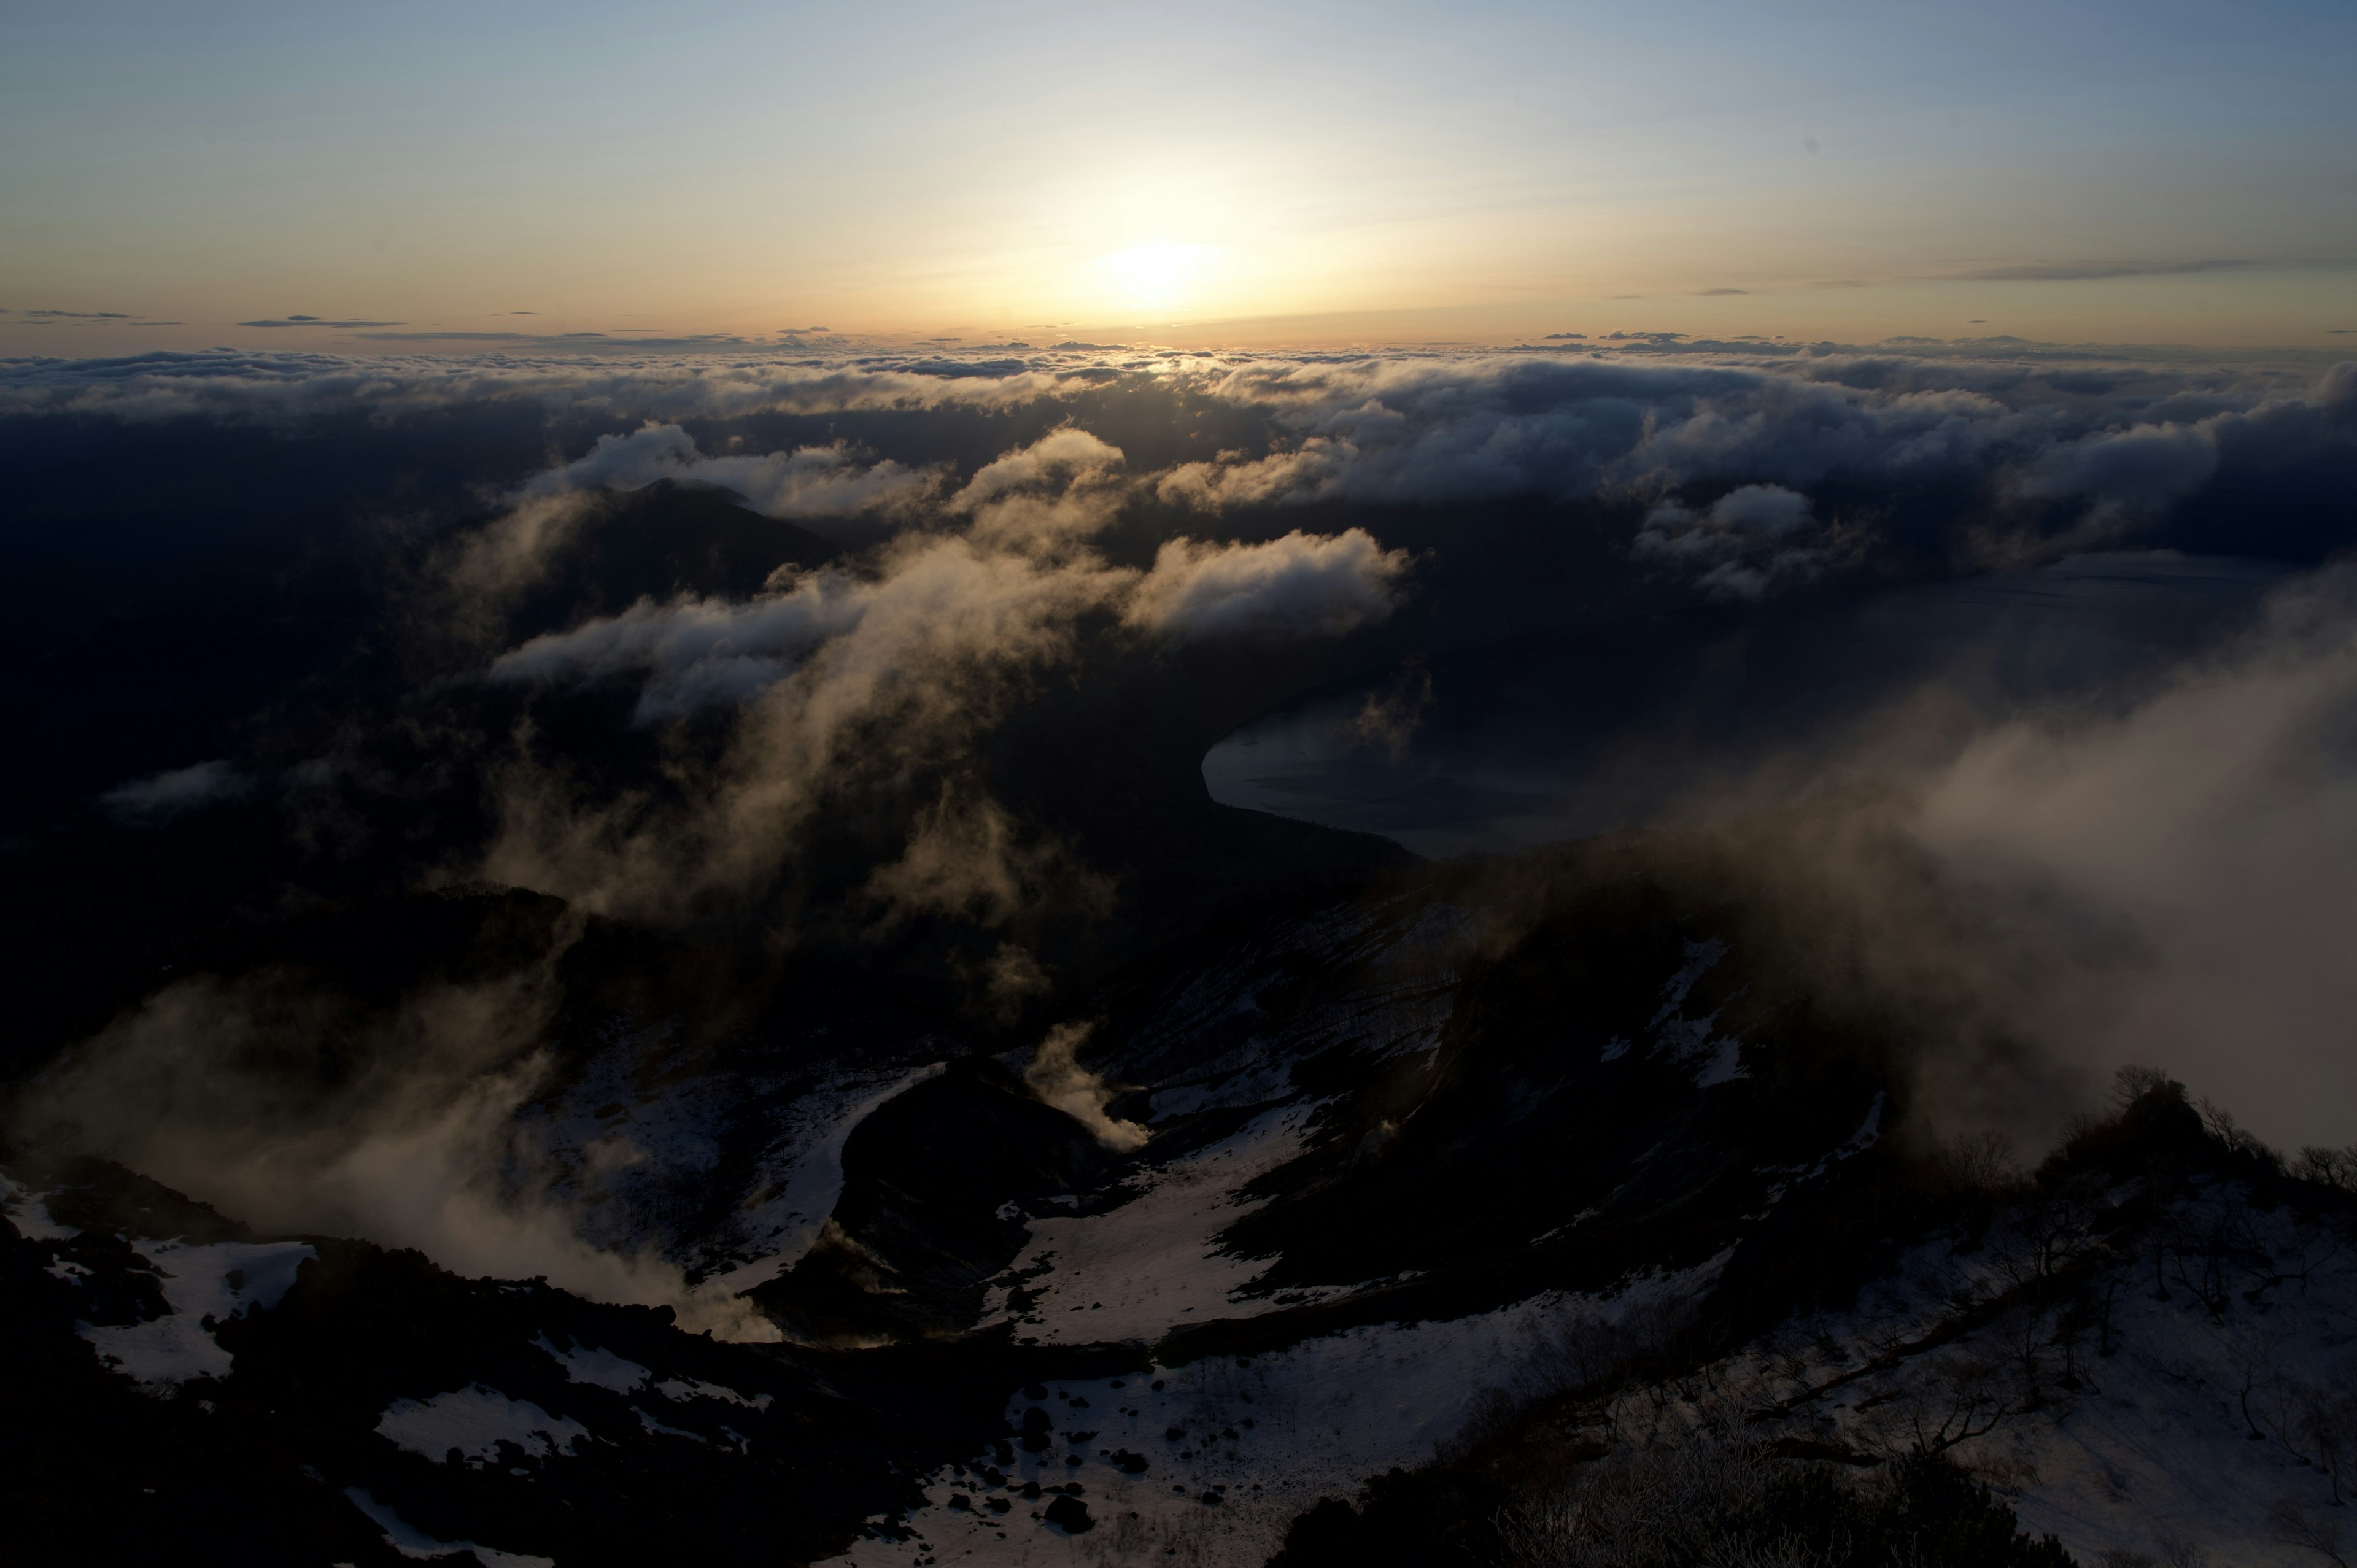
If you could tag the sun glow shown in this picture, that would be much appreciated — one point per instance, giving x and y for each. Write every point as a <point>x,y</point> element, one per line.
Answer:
<point>1158,277</point>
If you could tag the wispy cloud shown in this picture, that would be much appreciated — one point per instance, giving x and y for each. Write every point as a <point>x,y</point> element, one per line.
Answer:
<point>2073,272</point>
<point>160,797</point>
<point>442,336</point>
<point>314,321</point>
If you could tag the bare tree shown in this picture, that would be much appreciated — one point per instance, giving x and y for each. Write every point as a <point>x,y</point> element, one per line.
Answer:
<point>1962,1396</point>
<point>2330,1167</point>
<point>2327,1428</point>
<point>2026,1334</point>
<point>2291,1524</point>
<point>1980,1162</point>
<point>2131,1084</point>
<point>2039,1239</point>
<point>2226,1129</point>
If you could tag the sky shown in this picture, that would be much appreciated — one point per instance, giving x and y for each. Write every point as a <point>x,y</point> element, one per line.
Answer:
<point>2149,172</point>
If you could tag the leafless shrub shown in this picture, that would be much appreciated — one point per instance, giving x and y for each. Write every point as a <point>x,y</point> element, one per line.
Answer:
<point>1612,1365</point>
<point>2211,1247</point>
<point>1978,1163</point>
<point>1493,1411</point>
<point>1695,1499</point>
<point>1584,1353</point>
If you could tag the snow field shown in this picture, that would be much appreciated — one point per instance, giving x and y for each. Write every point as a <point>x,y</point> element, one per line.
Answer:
<point>618,1165</point>
<point>474,1420</point>
<point>1154,1263</point>
<point>216,1281</point>
<point>2151,1450</point>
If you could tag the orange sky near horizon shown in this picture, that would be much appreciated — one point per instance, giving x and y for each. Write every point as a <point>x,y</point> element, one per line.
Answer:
<point>435,177</point>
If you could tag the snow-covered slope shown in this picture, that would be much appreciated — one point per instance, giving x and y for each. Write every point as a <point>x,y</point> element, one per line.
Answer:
<point>1559,1161</point>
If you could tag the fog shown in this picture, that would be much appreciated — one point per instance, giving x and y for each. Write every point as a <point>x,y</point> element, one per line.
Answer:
<point>2139,773</point>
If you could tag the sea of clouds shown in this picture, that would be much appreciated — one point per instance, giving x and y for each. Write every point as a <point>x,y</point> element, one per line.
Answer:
<point>2218,817</point>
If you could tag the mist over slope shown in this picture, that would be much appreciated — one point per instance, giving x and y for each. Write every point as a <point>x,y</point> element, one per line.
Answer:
<point>725,838</point>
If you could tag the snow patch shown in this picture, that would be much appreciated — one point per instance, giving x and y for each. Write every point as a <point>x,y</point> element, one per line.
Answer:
<point>1700,956</point>
<point>474,1420</point>
<point>1712,1058</point>
<point>1142,1268</point>
<point>680,1389</point>
<point>600,1368</point>
<point>652,1425</point>
<point>410,1541</point>
<point>220,1280</point>
<point>30,1215</point>
<point>1725,1064</point>
<point>789,1217</point>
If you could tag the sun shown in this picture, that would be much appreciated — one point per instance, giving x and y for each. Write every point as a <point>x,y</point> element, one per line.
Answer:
<point>1155,277</point>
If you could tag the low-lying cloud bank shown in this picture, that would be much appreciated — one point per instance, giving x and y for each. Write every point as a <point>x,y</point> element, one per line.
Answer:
<point>2036,899</point>
<point>2216,820</point>
<point>2038,450</point>
<point>2113,459</point>
<point>2208,839</point>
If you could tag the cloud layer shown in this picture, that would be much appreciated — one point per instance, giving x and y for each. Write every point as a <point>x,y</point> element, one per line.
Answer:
<point>1741,539</point>
<point>2056,448</point>
<point>890,668</point>
<point>1025,522</point>
<point>806,482</point>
